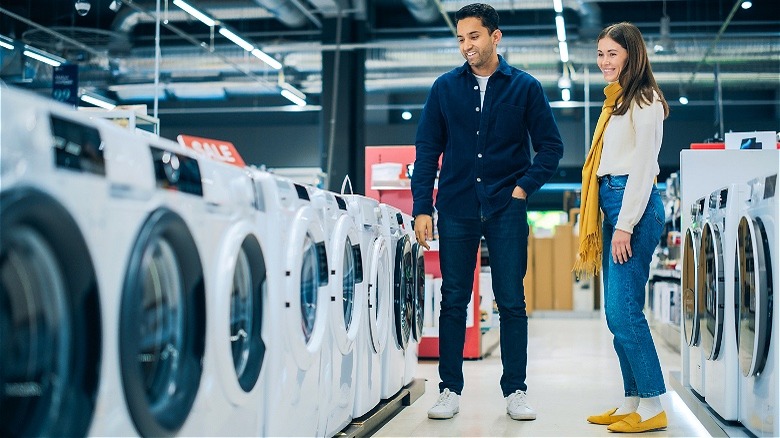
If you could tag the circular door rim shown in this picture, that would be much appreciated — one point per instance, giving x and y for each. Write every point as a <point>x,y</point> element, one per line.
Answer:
<point>232,242</point>
<point>418,255</point>
<point>47,217</point>
<point>167,225</point>
<point>378,321</point>
<point>402,321</point>
<point>711,342</point>
<point>344,339</point>
<point>305,223</point>
<point>691,249</point>
<point>763,322</point>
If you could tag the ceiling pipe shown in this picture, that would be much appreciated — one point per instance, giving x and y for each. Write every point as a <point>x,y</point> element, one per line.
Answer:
<point>128,18</point>
<point>285,11</point>
<point>428,11</point>
<point>424,11</point>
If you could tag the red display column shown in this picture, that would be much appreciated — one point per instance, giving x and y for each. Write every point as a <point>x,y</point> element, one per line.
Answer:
<point>398,194</point>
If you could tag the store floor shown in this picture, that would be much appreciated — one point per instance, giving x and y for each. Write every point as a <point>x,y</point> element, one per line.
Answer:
<point>573,372</point>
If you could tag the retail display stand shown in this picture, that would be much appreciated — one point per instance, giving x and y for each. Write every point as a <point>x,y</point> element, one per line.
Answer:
<point>394,189</point>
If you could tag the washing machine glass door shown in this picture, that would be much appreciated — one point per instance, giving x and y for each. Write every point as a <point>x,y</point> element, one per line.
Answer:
<point>754,291</point>
<point>418,261</point>
<point>403,292</point>
<point>246,313</point>
<point>162,325</point>
<point>307,276</point>
<point>347,279</point>
<point>378,294</point>
<point>689,287</point>
<point>50,321</point>
<point>713,281</point>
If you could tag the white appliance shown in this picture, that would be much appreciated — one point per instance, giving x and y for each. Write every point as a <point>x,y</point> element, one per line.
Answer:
<point>716,268</point>
<point>758,317</point>
<point>162,319</point>
<point>297,312</point>
<point>701,172</point>
<point>693,300</point>
<point>345,260</point>
<point>52,287</point>
<point>235,274</point>
<point>393,362</point>
<point>372,338</point>
<point>418,302</point>
<point>117,269</point>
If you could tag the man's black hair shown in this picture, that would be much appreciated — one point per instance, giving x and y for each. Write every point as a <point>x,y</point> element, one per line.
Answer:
<point>485,13</point>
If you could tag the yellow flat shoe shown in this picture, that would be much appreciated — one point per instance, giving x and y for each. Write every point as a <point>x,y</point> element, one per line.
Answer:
<point>633,424</point>
<point>606,418</point>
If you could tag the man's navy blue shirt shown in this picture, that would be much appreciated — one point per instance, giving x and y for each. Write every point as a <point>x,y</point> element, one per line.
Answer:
<point>485,151</point>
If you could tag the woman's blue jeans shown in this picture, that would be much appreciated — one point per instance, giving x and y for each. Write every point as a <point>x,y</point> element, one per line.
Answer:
<point>624,290</point>
<point>506,235</point>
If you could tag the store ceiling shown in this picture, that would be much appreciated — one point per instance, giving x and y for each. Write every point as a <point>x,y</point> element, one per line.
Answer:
<point>407,45</point>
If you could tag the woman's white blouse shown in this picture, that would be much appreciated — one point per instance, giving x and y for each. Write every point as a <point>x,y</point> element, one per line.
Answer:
<point>631,146</point>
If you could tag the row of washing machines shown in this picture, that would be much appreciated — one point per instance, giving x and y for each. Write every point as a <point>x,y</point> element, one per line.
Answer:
<point>147,290</point>
<point>730,284</point>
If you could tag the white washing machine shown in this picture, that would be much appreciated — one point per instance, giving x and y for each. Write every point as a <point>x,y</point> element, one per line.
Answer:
<point>235,274</point>
<point>162,317</point>
<point>693,300</point>
<point>297,312</point>
<point>347,304</point>
<point>52,359</point>
<point>716,266</point>
<point>418,302</point>
<point>701,172</point>
<point>393,361</point>
<point>121,273</point>
<point>372,337</point>
<point>758,318</point>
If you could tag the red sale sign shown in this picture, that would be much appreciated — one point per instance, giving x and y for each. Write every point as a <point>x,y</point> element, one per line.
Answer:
<point>218,150</point>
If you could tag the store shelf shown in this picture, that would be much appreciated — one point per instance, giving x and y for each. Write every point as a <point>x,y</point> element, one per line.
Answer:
<point>660,273</point>
<point>369,423</point>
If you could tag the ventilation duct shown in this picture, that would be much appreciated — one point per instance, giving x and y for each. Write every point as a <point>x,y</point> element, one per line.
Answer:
<point>424,11</point>
<point>285,11</point>
<point>587,10</point>
<point>127,18</point>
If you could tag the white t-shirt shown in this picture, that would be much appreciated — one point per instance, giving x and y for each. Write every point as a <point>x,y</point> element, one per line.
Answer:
<point>631,146</point>
<point>482,81</point>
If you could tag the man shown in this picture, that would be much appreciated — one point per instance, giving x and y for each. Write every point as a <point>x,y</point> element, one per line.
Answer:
<point>482,119</point>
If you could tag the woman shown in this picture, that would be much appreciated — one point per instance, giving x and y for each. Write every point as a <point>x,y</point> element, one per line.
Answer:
<point>618,177</point>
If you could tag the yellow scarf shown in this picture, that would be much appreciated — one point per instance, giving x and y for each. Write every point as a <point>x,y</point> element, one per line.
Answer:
<point>588,260</point>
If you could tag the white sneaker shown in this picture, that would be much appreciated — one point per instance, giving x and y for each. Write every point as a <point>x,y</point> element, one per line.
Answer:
<point>446,406</point>
<point>518,408</point>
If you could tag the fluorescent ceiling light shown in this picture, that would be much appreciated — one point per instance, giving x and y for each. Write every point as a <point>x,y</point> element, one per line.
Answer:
<point>208,21</point>
<point>564,49</point>
<point>236,39</point>
<point>560,27</point>
<point>98,101</point>
<point>40,55</point>
<point>558,6</point>
<point>293,98</point>
<point>293,94</point>
<point>6,45</point>
<point>267,59</point>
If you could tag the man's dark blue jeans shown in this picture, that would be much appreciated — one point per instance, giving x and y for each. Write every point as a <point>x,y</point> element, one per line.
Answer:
<point>506,235</point>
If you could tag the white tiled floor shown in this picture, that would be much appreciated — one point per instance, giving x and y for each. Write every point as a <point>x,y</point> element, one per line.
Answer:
<point>573,372</point>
